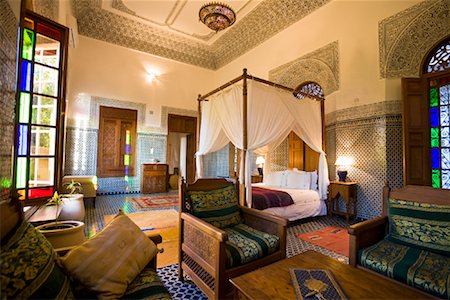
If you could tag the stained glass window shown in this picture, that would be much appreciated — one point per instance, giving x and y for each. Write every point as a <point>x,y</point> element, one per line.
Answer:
<point>439,60</point>
<point>309,89</point>
<point>39,103</point>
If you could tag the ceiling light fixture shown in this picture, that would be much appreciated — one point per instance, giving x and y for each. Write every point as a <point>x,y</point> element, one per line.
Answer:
<point>217,16</point>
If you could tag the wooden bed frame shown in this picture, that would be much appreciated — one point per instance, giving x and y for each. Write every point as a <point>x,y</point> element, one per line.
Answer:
<point>301,156</point>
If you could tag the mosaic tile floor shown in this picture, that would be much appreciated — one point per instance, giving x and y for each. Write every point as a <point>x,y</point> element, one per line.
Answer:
<point>108,205</point>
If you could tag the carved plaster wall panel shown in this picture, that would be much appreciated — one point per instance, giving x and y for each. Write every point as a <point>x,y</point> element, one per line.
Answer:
<point>320,66</point>
<point>405,38</point>
<point>47,8</point>
<point>266,20</point>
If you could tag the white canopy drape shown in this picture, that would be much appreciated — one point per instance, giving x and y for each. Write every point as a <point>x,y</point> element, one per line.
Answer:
<point>272,114</point>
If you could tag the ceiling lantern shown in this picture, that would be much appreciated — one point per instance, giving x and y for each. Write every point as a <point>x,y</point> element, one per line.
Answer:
<point>217,16</point>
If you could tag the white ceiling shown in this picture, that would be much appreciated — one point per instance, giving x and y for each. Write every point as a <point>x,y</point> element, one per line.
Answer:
<point>176,16</point>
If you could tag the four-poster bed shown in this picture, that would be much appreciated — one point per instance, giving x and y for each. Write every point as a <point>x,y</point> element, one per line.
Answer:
<point>254,114</point>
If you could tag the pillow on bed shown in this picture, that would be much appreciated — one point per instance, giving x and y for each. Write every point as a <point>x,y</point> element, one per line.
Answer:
<point>298,180</point>
<point>314,178</point>
<point>275,179</point>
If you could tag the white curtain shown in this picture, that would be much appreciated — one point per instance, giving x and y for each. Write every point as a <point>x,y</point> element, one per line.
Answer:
<point>272,114</point>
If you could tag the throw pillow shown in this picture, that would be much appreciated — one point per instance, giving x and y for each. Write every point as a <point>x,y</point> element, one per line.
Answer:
<point>421,225</point>
<point>28,269</point>
<point>111,259</point>
<point>218,207</point>
<point>298,180</point>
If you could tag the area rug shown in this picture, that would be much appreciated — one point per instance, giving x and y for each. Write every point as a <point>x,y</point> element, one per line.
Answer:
<point>163,222</point>
<point>155,201</point>
<point>333,238</point>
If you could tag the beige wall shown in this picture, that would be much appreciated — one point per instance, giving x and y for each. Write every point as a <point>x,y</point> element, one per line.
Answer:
<point>102,69</point>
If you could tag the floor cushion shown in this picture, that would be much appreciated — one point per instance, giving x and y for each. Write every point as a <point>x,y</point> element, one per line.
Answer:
<point>147,285</point>
<point>28,268</point>
<point>246,244</point>
<point>421,269</point>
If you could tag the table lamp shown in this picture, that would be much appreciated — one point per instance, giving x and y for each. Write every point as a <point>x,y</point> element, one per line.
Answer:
<point>260,162</point>
<point>343,162</point>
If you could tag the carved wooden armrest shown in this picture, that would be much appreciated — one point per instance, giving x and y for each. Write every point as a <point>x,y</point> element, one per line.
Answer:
<point>207,228</point>
<point>365,234</point>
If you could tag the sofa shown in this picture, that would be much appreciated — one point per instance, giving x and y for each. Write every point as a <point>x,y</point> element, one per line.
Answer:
<point>31,269</point>
<point>410,242</point>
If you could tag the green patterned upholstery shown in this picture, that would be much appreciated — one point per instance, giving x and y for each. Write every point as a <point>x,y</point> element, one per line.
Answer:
<point>418,268</point>
<point>246,244</point>
<point>28,268</point>
<point>218,207</point>
<point>147,285</point>
<point>421,225</point>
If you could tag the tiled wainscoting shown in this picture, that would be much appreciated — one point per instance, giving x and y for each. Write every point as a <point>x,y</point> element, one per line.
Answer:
<point>372,136</point>
<point>8,37</point>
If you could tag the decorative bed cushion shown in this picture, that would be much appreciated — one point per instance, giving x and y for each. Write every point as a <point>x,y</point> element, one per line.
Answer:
<point>246,244</point>
<point>422,225</point>
<point>278,178</point>
<point>147,285</point>
<point>111,259</point>
<point>28,268</point>
<point>421,269</point>
<point>218,207</point>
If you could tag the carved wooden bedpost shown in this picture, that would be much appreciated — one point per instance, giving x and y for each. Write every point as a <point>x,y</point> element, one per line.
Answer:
<point>242,189</point>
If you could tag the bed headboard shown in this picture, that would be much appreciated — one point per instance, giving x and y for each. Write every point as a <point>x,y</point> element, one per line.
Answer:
<point>301,156</point>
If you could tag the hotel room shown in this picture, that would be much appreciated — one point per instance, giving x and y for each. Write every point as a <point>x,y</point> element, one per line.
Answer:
<point>304,110</point>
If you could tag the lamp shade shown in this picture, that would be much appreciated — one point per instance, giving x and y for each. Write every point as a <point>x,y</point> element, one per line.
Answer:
<point>344,161</point>
<point>260,160</point>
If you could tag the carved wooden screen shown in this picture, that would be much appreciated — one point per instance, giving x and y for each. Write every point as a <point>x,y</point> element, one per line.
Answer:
<point>116,142</point>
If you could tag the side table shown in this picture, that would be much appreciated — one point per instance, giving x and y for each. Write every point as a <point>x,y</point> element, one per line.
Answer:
<point>346,191</point>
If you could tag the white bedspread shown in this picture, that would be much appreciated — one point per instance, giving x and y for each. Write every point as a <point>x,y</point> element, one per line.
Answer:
<point>307,203</point>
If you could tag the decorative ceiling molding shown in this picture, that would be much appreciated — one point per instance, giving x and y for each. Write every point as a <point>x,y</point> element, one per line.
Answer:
<point>406,37</point>
<point>320,66</point>
<point>263,22</point>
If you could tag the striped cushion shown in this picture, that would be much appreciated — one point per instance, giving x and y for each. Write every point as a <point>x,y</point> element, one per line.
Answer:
<point>422,225</point>
<point>28,268</point>
<point>147,285</point>
<point>218,207</point>
<point>246,244</point>
<point>421,269</point>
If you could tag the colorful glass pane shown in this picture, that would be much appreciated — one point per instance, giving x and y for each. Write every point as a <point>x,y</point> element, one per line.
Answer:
<point>21,172</point>
<point>41,171</point>
<point>445,138</point>
<point>444,115</point>
<point>28,43</point>
<point>40,192</point>
<point>21,194</point>
<point>24,108</point>
<point>28,23</point>
<point>309,89</point>
<point>44,110</point>
<point>446,179</point>
<point>444,94</point>
<point>435,158</point>
<point>445,158</point>
<point>434,117</point>
<point>25,76</point>
<point>47,51</point>
<point>22,147</point>
<point>434,137</point>
<point>45,81</point>
<point>43,140</point>
<point>53,33</point>
<point>126,160</point>
<point>436,179</point>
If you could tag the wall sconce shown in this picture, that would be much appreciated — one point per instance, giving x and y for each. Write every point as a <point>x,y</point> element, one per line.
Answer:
<point>260,162</point>
<point>342,162</point>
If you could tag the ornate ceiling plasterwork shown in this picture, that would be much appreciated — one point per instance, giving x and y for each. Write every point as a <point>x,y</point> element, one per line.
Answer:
<point>263,22</point>
<point>405,38</point>
<point>320,66</point>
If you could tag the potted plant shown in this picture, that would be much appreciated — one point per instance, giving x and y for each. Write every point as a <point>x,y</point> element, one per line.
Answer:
<point>62,234</point>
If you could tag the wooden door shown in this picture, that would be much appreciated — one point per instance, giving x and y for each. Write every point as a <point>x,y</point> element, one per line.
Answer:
<point>296,152</point>
<point>416,135</point>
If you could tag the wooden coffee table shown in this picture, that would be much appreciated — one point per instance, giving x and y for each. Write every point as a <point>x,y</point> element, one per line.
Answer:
<point>274,281</point>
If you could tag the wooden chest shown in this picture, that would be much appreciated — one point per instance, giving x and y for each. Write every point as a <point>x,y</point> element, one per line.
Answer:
<point>154,178</point>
